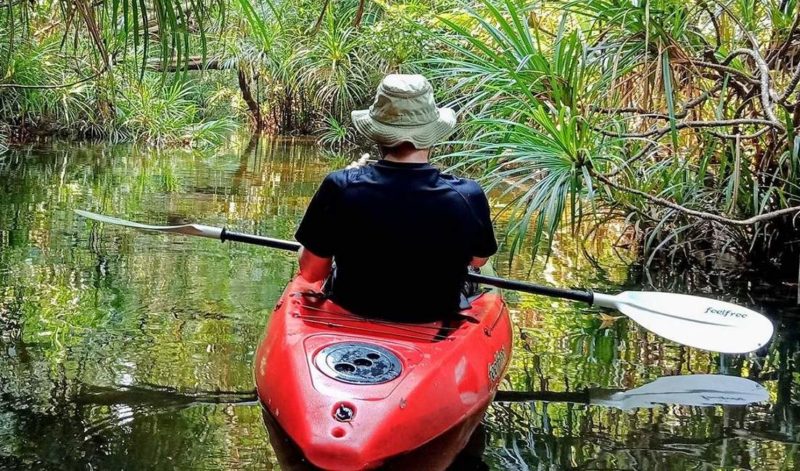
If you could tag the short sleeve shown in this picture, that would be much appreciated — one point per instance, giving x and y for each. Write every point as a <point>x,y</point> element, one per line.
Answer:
<point>484,244</point>
<point>316,229</point>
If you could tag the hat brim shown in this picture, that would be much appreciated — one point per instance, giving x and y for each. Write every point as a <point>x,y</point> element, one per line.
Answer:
<point>422,136</point>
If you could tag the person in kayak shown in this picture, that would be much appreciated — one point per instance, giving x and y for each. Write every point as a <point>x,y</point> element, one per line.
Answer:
<point>402,234</point>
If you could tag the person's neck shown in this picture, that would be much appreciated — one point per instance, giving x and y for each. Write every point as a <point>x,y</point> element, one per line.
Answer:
<point>419,156</point>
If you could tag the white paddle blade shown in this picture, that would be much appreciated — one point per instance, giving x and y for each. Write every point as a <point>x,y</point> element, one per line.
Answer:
<point>695,321</point>
<point>186,229</point>
<point>689,390</point>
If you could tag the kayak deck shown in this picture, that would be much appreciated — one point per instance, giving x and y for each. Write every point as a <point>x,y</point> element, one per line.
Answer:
<point>352,392</point>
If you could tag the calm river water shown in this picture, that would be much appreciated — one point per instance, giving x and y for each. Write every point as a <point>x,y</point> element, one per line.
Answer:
<point>124,350</point>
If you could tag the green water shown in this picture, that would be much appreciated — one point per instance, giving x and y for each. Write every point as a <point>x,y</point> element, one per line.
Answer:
<point>124,350</point>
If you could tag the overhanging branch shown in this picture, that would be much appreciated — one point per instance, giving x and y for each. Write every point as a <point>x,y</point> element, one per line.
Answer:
<point>700,214</point>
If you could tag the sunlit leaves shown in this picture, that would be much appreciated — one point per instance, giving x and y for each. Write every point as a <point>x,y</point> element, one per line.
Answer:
<point>649,88</point>
<point>521,105</point>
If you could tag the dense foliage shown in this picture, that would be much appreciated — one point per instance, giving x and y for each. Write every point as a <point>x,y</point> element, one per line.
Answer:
<point>183,73</point>
<point>678,118</point>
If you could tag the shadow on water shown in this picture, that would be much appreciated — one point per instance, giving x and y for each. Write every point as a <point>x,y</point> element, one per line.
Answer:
<point>91,314</point>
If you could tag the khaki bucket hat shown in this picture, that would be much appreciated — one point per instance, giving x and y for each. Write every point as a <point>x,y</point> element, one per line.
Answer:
<point>404,110</point>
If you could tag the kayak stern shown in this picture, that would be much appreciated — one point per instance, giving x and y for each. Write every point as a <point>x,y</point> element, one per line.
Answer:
<point>353,392</point>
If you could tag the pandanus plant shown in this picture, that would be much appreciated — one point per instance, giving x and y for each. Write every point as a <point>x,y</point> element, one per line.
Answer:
<point>680,117</point>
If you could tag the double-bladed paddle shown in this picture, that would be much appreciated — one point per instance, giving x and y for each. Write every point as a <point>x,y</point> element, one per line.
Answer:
<point>688,390</point>
<point>695,321</point>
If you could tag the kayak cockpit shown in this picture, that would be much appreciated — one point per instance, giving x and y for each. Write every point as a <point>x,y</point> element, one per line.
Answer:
<point>315,312</point>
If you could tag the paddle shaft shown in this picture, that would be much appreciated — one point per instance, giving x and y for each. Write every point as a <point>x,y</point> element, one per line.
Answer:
<point>572,294</point>
<point>259,240</point>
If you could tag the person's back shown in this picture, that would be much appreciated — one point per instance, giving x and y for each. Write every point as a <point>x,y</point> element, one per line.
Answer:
<point>402,236</point>
<point>401,233</point>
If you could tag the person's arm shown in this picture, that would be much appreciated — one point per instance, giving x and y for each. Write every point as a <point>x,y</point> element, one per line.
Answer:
<point>314,268</point>
<point>484,245</point>
<point>317,232</point>
<point>478,262</point>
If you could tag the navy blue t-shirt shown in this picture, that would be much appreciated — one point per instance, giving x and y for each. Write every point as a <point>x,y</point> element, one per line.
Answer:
<point>402,236</point>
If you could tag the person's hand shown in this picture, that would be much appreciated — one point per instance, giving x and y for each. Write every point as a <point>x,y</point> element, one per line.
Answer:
<point>358,163</point>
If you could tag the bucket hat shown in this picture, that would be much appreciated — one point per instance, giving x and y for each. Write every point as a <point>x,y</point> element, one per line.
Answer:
<point>404,110</point>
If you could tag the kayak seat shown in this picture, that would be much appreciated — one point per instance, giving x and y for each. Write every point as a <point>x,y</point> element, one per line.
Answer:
<point>447,328</point>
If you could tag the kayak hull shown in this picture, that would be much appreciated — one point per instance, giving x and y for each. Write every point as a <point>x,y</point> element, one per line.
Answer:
<point>462,446</point>
<point>354,393</point>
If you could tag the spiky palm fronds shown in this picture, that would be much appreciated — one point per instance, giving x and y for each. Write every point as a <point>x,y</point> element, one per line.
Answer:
<point>522,98</point>
<point>664,110</point>
<point>335,68</point>
<point>163,116</point>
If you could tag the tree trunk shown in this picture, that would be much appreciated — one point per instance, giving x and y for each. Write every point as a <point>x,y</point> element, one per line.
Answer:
<point>359,14</point>
<point>252,104</point>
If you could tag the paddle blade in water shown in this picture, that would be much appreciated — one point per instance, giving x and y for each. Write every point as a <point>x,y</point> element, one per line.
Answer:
<point>689,390</point>
<point>186,229</point>
<point>695,321</point>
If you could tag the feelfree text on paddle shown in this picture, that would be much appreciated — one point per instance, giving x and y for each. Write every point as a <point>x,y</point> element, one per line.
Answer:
<point>726,313</point>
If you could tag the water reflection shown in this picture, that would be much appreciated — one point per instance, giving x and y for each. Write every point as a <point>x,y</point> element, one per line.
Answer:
<point>685,390</point>
<point>89,313</point>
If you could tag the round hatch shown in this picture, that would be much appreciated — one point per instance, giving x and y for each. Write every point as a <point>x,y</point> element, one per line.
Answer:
<point>358,363</point>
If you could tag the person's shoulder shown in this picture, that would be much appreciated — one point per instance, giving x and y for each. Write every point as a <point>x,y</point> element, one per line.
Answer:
<point>464,186</point>
<point>337,179</point>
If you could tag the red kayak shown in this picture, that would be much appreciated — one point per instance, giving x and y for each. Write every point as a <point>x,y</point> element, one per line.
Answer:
<point>355,393</point>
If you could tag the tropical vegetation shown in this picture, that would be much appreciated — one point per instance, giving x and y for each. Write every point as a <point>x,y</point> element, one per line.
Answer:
<point>608,131</point>
<point>676,119</point>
